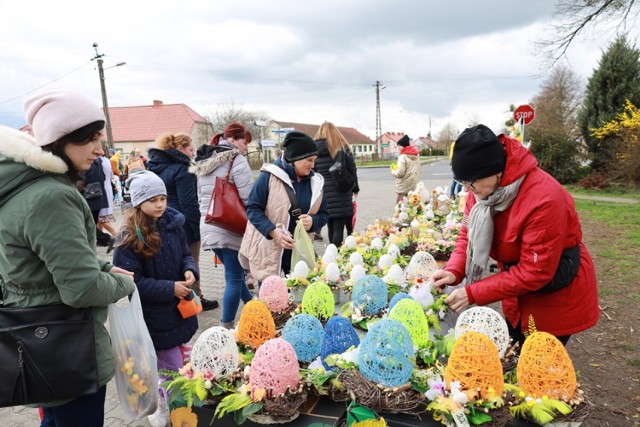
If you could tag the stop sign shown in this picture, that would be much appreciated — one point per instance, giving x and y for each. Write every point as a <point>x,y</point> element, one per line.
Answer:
<point>524,113</point>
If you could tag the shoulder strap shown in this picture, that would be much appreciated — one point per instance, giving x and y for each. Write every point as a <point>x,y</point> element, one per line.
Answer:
<point>295,210</point>
<point>230,166</point>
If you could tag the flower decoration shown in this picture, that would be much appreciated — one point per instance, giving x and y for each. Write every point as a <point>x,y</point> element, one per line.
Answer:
<point>410,313</point>
<point>486,321</point>
<point>256,325</point>
<point>318,301</point>
<point>385,354</point>
<point>183,417</point>
<point>422,292</point>
<point>339,336</point>
<point>140,376</point>
<point>274,293</point>
<point>215,350</point>
<point>304,333</point>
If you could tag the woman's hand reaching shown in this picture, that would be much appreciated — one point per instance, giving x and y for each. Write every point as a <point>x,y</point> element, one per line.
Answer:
<point>282,238</point>
<point>442,278</point>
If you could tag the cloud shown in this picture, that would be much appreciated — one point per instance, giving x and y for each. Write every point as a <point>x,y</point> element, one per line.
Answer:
<point>440,62</point>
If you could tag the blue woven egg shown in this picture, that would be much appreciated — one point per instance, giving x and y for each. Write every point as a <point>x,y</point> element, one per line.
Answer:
<point>370,295</point>
<point>397,297</point>
<point>339,335</point>
<point>385,354</point>
<point>304,332</point>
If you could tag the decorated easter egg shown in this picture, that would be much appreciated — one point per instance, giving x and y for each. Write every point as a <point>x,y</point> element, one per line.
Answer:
<point>393,250</point>
<point>350,242</point>
<point>410,313</point>
<point>332,272</point>
<point>395,275</point>
<point>331,248</point>
<point>385,261</point>
<point>274,367</point>
<point>377,244</point>
<point>301,270</point>
<point>215,349</point>
<point>357,272</point>
<point>328,257</point>
<point>545,368</point>
<point>339,336</point>
<point>318,301</point>
<point>385,354</point>
<point>421,266</point>
<point>256,324</point>
<point>475,363</point>
<point>304,333</point>
<point>274,293</point>
<point>356,259</point>
<point>486,321</point>
<point>370,295</point>
<point>397,297</point>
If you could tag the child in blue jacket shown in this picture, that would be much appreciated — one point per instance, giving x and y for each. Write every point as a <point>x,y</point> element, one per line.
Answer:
<point>152,244</point>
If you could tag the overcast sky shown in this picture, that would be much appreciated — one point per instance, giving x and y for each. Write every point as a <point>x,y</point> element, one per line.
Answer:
<point>453,61</point>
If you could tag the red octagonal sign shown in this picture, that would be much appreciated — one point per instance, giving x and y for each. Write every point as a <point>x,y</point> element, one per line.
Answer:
<point>524,114</point>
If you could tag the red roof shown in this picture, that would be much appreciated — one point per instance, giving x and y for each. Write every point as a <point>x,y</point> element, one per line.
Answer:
<point>352,135</point>
<point>145,123</point>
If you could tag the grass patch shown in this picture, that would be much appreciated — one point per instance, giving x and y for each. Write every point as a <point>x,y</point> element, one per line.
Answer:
<point>627,346</point>
<point>634,362</point>
<point>632,193</point>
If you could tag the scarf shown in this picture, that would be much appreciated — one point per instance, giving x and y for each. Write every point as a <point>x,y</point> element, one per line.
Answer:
<point>480,234</point>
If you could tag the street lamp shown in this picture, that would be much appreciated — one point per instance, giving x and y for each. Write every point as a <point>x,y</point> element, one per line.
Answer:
<point>105,104</point>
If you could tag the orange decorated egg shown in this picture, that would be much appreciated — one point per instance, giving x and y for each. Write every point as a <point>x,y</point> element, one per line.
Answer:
<point>545,369</point>
<point>475,363</point>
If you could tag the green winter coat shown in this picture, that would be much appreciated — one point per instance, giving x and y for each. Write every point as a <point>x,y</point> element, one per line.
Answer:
<point>48,241</point>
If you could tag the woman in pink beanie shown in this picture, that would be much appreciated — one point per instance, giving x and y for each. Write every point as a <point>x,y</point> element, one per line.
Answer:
<point>47,250</point>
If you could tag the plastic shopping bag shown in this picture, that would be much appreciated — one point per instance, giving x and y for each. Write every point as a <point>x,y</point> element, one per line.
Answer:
<point>303,250</point>
<point>135,357</point>
<point>353,218</point>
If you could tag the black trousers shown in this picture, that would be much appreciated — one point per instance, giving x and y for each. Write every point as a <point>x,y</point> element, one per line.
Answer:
<point>517,335</point>
<point>102,238</point>
<point>335,227</point>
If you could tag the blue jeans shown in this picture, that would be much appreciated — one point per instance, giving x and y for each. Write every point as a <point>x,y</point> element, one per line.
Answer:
<point>85,411</point>
<point>236,286</point>
<point>455,188</point>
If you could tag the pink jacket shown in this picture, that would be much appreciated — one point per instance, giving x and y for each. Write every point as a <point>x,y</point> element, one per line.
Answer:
<point>533,232</point>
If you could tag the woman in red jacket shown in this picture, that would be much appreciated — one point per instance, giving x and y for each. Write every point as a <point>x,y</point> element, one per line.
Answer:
<point>520,216</point>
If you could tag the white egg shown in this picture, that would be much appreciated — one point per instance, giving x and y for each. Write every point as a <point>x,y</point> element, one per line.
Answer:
<point>331,248</point>
<point>403,216</point>
<point>356,259</point>
<point>332,272</point>
<point>301,270</point>
<point>393,250</point>
<point>396,274</point>
<point>328,257</point>
<point>350,242</point>
<point>429,214</point>
<point>386,261</point>
<point>415,223</point>
<point>357,272</point>
<point>377,244</point>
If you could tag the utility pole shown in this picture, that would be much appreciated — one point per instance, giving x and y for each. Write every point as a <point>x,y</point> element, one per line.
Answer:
<point>379,87</point>
<point>105,104</point>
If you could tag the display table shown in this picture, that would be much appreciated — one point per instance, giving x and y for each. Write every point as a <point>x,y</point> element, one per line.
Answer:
<point>322,411</point>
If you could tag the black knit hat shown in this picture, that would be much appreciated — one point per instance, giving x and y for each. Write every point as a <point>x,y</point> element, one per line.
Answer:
<point>477,154</point>
<point>404,141</point>
<point>298,146</point>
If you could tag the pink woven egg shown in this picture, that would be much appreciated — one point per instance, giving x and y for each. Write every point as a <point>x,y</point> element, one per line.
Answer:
<point>274,367</point>
<point>274,293</point>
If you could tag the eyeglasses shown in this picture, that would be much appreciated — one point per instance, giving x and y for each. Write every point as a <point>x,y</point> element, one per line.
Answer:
<point>466,183</point>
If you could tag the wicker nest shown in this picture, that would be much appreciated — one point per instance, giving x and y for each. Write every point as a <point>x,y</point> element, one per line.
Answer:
<point>579,413</point>
<point>402,399</point>
<point>500,417</point>
<point>281,318</point>
<point>332,392</point>
<point>510,359</point>
<point>280,409</point>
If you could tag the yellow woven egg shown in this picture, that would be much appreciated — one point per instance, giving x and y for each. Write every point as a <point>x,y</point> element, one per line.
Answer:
<point>256,324</point>
<point>475,362</point>
<point>545,369</point>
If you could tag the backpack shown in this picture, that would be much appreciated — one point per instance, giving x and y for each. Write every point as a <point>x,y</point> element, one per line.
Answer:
<point>342,172</point>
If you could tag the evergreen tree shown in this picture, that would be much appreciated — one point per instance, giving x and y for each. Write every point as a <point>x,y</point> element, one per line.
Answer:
<point>616,79</point>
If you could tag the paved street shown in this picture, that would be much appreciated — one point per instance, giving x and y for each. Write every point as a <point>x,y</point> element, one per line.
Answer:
<point>376,200</point>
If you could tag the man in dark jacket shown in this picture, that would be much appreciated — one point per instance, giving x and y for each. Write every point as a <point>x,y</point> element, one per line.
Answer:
<point>97,199</point>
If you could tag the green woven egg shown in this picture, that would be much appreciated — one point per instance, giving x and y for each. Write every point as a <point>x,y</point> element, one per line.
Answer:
<point>318,301</point>
<point>409,312</point>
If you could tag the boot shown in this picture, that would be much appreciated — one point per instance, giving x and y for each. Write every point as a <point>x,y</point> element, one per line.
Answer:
<point>228,325</point>
<point>160,418</point>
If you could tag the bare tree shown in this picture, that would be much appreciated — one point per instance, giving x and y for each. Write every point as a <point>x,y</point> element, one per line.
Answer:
<point>577,16</point>
<point>230,112</point>
<point>447,135</point>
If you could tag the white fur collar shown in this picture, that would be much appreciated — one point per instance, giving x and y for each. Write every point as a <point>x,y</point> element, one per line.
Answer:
<point>22,148</point>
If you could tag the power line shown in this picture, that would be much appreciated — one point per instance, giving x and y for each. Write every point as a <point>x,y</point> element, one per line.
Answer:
<point>46,84</point>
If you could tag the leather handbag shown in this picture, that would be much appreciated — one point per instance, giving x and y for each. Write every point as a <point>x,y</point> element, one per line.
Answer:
<point>47,354</point>
<point>190,307</point>
<point>226,209</point>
